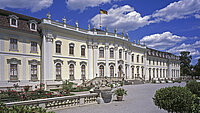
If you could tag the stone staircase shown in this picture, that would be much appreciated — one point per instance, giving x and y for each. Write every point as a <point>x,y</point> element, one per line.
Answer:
<point>102,80</point>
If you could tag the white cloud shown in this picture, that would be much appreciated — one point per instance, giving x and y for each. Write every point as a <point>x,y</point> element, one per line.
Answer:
<point>123,18</point>
<point>192,48</point>
<point>177,10</point>
<point>162,41</point>
<point>197,16</point>
<point>83,4</point>
<point>33,5</point>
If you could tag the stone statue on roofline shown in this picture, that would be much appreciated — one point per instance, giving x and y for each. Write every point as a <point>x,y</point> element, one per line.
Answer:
<point>48,15</point>
<point>115,30</point>
<point>76,24</point>
<point>64,20</point>
<point>106,28</point>
<point>88,27</point>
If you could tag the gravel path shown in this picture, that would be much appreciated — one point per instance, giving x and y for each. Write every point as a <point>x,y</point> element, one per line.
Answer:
<point>138,100</point>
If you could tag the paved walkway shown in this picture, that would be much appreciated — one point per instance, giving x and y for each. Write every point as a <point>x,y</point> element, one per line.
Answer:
<point>138,100</point>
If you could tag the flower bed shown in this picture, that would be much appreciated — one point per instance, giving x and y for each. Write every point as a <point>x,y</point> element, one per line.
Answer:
<point>13,95</point>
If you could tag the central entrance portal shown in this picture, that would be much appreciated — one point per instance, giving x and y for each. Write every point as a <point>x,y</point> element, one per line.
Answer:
<point>120,71</point>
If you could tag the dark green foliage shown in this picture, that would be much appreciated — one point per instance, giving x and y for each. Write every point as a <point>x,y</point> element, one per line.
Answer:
<point>196,105</point>
<point>196,71</point>
<point>174,99</point>
<point>194,87</point>
<point>120,92</point>
<point>21,109</point>
<point>67,86</point>
<point>185,59</point>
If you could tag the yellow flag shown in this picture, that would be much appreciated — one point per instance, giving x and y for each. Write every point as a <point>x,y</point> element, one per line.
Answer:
<point>103,11</point>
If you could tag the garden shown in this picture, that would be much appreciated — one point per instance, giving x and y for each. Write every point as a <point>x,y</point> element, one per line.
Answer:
<point>13,95</point>
<point>179,99</point>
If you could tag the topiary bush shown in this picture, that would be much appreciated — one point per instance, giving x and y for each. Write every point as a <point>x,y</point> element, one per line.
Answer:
<point>194,87</point>
<point>174,99</point>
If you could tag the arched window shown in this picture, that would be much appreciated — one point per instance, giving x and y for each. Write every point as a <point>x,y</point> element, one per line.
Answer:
<point>34,72</point>
<point>101,52</point>
<point>132,57</point>
<point>83,50</point>
<point>58,71</point>
<point>120,53</point>
<point>83,72</point>
<point>13,22</point>
<point>111,71</point>
<point>126,55</point>
<point>132,69</point>
<point>101,70</point>
<point>137,58</point>
<point>71,49</point>
<point>58,46</point>
<point>111,53</point>
<point>33,26</point>
<point>71,72</point>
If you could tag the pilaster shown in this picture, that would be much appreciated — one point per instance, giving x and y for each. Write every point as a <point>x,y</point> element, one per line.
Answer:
<point>107,62</point>
<point>95,48</point>
<point>116,56</point>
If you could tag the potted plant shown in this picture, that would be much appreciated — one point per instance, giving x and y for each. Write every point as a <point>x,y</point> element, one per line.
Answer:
<point>120,92</point>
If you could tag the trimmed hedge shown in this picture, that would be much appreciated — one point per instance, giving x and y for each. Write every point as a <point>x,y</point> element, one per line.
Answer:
<point>174,99</point>
<point>194,87</point>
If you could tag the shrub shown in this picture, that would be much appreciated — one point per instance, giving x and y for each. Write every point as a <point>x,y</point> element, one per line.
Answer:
<point>67,85</point>
<point>153,81</point>
<point>194,87</point>
<point>21,109</point>
<point>174,99</point>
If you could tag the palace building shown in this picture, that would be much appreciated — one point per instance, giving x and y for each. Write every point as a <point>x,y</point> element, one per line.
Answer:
<point>43,50</point>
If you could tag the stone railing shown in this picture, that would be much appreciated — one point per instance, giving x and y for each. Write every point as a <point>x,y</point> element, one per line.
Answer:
<point>59,102</point>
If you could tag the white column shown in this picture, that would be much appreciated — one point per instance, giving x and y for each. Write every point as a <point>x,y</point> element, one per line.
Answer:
<point>170,70</point>
<point>47,59</point>
<point>107,62</point>
<point>123,56</point>
<point>146,67</point>
<point>95,47</point>
<point>116,56</point>
<point>89,61</point>
<point>129,64</point>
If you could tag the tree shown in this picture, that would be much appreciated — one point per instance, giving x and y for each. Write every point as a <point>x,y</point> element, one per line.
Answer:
<point>174,99</point>
<point>197,69</point>
<point>185,60</point>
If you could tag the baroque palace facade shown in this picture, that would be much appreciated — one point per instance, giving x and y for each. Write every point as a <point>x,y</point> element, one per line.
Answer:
<point>42,50</point>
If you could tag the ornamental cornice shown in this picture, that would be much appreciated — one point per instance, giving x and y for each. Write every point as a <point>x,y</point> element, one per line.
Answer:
<point>34,62</point>
<point>13,61</point>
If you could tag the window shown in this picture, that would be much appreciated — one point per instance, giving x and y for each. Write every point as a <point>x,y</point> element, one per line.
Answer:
<point>83,50</point>
<point>58,71</point>
<point>33,26</point>
<point>142,72</point>
<point>163,73</point>
<point>132,57</point>
<point>138,70</point>
<point>132,72</point>
<point>120,53</point>
<point>157,62</point>
<point>83,72</point>
<point>58,48</point>
<point>71,49</point>
<point>153,73</point>
<point>126,55</point>
<point>13,72</point>
<point>137,58</point>
<point>101,52</point>
<point>153,62</point>
<point>101,70</point>
<point>34,72</point>
<point>149,61</point>
<point>13,44</point>
<point>13,20</point>
<point>157,72</point>
<point>111,53</point>
<point>33,46</point>
<point>160,73</point>
<point>142,58</point>
<point>71,72</point>
<point>111,71</point>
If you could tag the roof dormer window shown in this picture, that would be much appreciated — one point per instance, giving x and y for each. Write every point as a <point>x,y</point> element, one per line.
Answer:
<point>33,25</point>
<point>13,20</point>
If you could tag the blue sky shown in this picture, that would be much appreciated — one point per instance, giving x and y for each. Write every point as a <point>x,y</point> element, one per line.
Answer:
<point>166,25</point>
